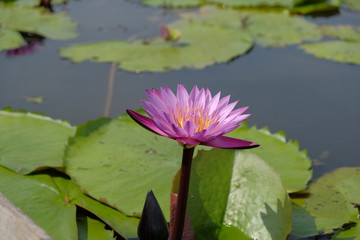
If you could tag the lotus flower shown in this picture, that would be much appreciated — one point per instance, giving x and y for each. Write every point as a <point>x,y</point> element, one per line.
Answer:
<point>194,118</point>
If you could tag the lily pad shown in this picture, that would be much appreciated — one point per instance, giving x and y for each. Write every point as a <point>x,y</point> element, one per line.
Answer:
<point>236,195</point>
<point>339,51</point>
<point>260,26</point>
<point>192,50</point>
<point>318,6</point>
<point>343,32</point>
<point>35,20</point>
<point>353,233</point>
<point>254,3</point>
<point>293,165</point>
<point>330,204</point>
<point>51,202</point>
<point>353,4</point>
<point>118,161</point>
<point>30,141</point>
<point>10,39</point>
<point>173,3</point>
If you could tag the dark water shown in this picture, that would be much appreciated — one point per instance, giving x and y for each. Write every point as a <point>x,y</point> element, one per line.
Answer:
<point>314,101</point>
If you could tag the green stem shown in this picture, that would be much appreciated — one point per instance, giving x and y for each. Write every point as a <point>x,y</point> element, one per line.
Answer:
<point>178,227</point>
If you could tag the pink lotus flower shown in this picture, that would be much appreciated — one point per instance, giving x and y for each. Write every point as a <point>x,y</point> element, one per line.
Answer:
<point>194,118</point>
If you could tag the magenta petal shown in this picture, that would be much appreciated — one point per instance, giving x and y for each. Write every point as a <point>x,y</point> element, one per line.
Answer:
<point>146,122</point>
<point>228,142</point>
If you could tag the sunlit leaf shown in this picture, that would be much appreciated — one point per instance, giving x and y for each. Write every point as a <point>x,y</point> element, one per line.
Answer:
<point>199,46</point>
<point>330,204</point>
<point>92,229</point>
<point>261,26</point>
<point>29,141</point>
<point>118,161</point>
<point>51,202</point>
<point>343,32</point>
<point>254,3</point>
<point>293,165</point>
<point>352,233</point>
<point>10,39</point>
<point>236,195</point>
<point>353,4</point>
<point>35,20</point>
<point>173,3</point>
<point>339,51</point>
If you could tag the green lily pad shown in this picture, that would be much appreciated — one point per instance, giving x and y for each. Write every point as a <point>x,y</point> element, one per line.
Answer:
<point>260,26</point>
<point>118,161</point>
<point>235,195</point>
<point>353,233</point>
<point>51,202</point>
<point>35,20</point>
<point>35,3</point>
<point>343,32</point>
<point>254,3</point>
<point>173,3</point>
<point>293,165</point>
<point>29,141</point>
<point>330,204</point>
<point>92,229</point>
<point>10,39</point>
<point>339,51</point>
<point>191,50</point>
<point>318,6</point>
<point>353,4</point>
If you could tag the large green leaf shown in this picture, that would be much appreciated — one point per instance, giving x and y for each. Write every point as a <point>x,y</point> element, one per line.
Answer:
<point>117,162</point>
<point>318,6</point>
<point>29,141</point>
<point>330,204</point>
<point>339,51</point>
<point>236,195</point>
<point>343,32</point>
<point>51,202</point>
<point>293,165</point>
<point>38,21</point>
<point>353,233</point>
<point>260,25</point>
<point>10,39</point>
<point>199,46</point>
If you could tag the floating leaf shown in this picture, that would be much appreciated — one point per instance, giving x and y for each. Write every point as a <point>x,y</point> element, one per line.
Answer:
<point>352,233</point>
<point>353,4</point>
<point>339,51</point>
<point>235,195</point>
<point>318,6</point>
<point>29,141</point>
<point>330,203</point>
<point>173,3</point>
<point>35,20</point>
<point>10,39</point>
<point>343,32</point>
<point>254,3</point>
<point>92,229</point>
<point>117,162</point>
<point>260,25</point>
<point>293,165</point>
<point>199,46</point>
<point>51,202</point>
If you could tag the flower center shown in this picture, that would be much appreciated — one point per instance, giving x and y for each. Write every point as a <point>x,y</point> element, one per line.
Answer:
<point>196,115</point>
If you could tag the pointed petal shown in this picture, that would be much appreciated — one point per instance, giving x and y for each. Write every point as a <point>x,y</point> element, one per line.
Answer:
<point>145,122</point>
<point>228,142</point>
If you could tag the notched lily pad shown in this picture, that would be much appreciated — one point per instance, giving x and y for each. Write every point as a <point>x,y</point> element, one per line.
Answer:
<point>199,46</point>
<point>353,4</point>
<point>260,26</point>
<point>30,141</point>
<point>330,204</point>
<point>35,20</point>
<point>293,165</point>
<point>343,32</point>
<point>235,195</point>
<point>339,51</point>
<point>10,39</point>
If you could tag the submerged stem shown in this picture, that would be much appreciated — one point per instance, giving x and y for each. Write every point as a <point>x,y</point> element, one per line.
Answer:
<point>178,227</point>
